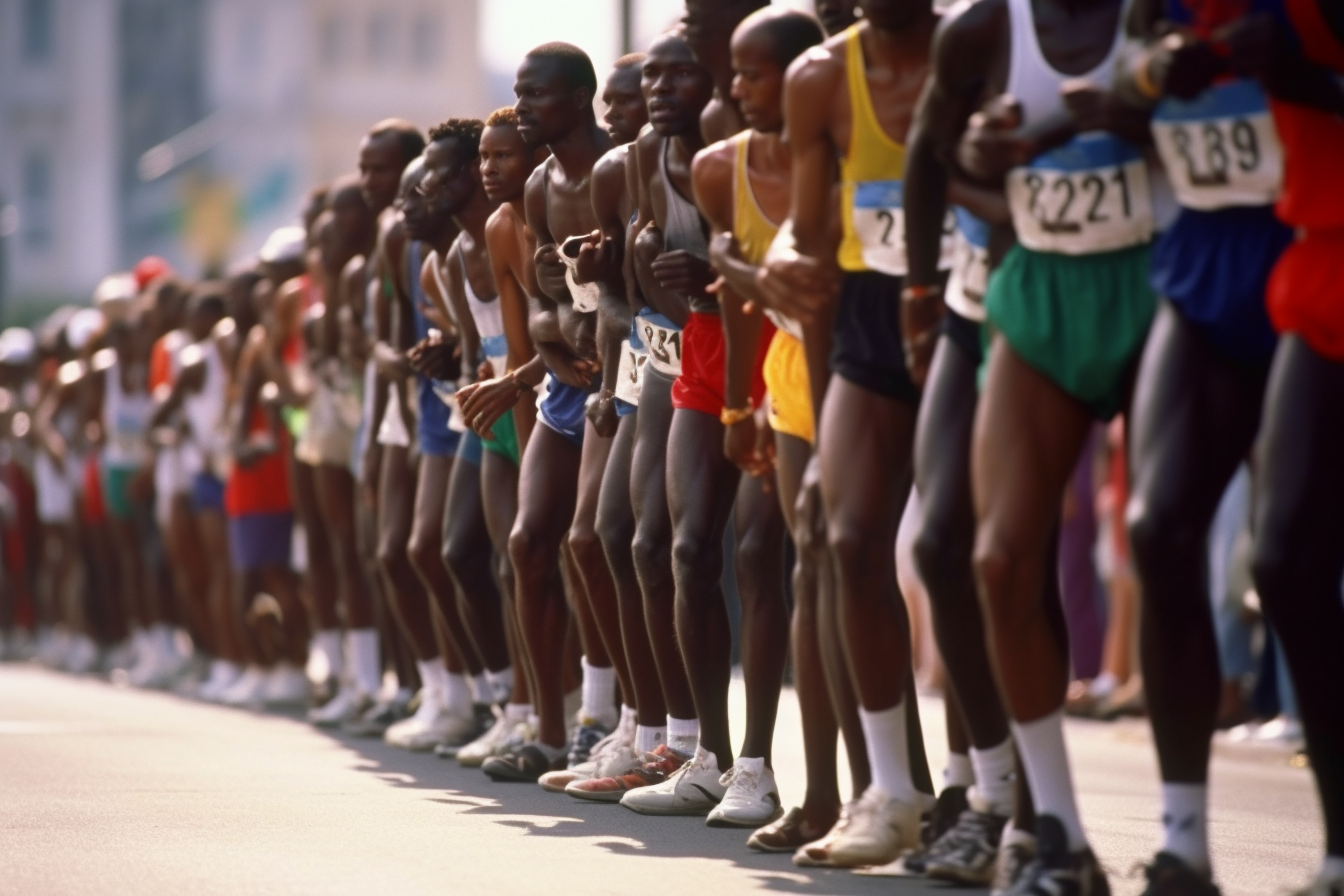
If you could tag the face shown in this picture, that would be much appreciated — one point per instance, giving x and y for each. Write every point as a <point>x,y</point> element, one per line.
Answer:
<point>676,87</point>
<point>547,108</point>
<point>239,299</point>
<point>836,15</point>
<point>758,81</point>
<point>352,223</point>
<point>380,168</point>
<point>506,162</point>
<point>893,15</point>
<point>201,322</point>
<point>626,112</point>
<point>450,180</point>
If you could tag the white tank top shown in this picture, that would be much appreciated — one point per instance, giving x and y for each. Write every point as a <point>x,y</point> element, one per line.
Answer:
<point>1091,195</point>
<point>125,418</point>
<point>204,410</point>
<point>489,320</point>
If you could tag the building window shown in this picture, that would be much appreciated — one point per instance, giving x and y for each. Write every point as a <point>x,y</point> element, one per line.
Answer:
<point>381,40</point>
<point>37,31</point>
<point>426,40</point>
<point>36,211</point>
<point>332,41</point>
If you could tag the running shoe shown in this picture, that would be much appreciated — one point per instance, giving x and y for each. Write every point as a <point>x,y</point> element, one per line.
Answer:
<point>614,743</point>
<point>481,719</point>
<point>587,735</point>
<point>376,719</point>
<point>499,738</point>
<point>951,803</point>
<point>1169,875</point>
<point>1017,850</point>
<point>430,726</point>
<point>787,834</point>
<point>526,764</point>
<point>346,705</point>
<point>817,854</point>
<point>82,657</point>
<point>611,787</point>
<point>286,685</point>
<point>247,690</point>
<point>1058,872</point>
<point>693,789</point>
<point>751,798</point>
<point>966,853</point>
<point>222,674</point>
<point>880,828</point>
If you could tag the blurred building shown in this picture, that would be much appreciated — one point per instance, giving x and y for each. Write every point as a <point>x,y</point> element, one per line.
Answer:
<point>190,128</point>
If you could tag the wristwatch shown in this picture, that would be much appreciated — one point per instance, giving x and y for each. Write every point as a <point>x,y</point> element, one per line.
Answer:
<point>729,416</point>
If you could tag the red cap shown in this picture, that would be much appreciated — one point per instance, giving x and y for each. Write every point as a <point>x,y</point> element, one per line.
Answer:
<point>149,269</point>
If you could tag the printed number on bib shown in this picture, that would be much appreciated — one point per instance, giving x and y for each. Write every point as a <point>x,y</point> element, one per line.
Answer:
<point>1220,149</point>
<point>630,374</point>
<point>663,344</point>
<point>879,223</point>
<point>1090,195</point>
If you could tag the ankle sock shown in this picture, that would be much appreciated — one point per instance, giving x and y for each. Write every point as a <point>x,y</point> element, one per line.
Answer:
<point>1185,824</point>
<point>683,735</point>
<point>1046,761</point>
<point>959,772</point>
<point>457,697</point>
<point>480,688</point>
<point>362,652</point>
<point>517,713</point>
<point>647,738</point>
<point>599,694</point>
<point>501,684</point>
<point>996,777</point>
<point>431,680</point>
<point>889,751</point>
<point>328,640</point>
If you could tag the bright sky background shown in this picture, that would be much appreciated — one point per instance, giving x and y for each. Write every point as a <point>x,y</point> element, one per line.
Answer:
<point>512,27</point>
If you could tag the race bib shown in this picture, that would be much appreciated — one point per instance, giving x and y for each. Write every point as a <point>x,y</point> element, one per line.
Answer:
<point>1089,196</point>
<point>969,280</point>
<point>879,223</point>
<point>630,373</point>
<point>1220,149</point>
<point>662,338</point>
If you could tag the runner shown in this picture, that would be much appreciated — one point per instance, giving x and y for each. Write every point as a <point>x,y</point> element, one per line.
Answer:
<point>708,28</point>
<point>742,185</point>
<point>868,419</point>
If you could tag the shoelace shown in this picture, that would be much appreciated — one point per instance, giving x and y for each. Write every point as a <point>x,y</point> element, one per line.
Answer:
<point>750,778</point>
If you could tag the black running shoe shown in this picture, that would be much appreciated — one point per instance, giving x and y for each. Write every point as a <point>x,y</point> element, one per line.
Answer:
<point>1058,872</point>
<point>967,852</point>
<point>951,803</point>
<point>526,764</point>
<point>1169,875</point>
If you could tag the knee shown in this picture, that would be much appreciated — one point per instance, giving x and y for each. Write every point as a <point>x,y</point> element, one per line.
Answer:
<point>855,551</point>
<point>997,564</point>
<point>1161,536</point>
<point>650,554</point>
<point>391,554</point>
<point>524,548</point>
<point>454,553</point>
<point>693,551</point>
<point>614,531</point>
<point>586,546</point>
<point>423,552</point>
<point>941,556</point>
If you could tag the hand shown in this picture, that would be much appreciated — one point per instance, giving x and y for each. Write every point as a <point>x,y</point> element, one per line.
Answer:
<point>1093,108</point>
<point>749,444</point>
<point>550,270</point>
<point>390,363</point>
<point>485,402</point>
<point>991,147</point>
<point>486,371</point>
<point>797,285</point>
<point>567,367</point>
<point>436,359</point>
<point>1184,67</point>
<point>602,414</point>
<point>680,271</point>
<point>598,260</point>
<point>920,318</point>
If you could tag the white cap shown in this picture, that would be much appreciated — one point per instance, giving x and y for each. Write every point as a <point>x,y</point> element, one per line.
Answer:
<point>18,346</point>
<point>81,327</point>
<point>285,244</point>
<point>115,294</point>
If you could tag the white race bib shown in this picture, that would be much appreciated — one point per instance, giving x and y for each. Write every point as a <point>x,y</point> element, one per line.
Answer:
<point>879,223</point>
<point>630,373</point>
<point>662,339</point>
<point>1089,196</point>
<point>1220,149</point>
<point>969,280</point>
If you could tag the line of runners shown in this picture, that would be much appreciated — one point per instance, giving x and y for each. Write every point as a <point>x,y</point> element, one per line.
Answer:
<point>515,380</point>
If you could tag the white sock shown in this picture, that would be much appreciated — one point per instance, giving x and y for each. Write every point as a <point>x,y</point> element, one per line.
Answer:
<point>501,684</point>
<point>1102,685</point>
<point>995,777</point>
<point>628,716</point>
<point>1046,761</point>
<point>165,639</point>
<point>516,713</point>
<point>456,693</point>
<point>1185,824</point>
<point>647,738</point>
<point>683,735</point>
<point>328,641</point>
<point>480,688</point>
<point>889,751</point>
<point>958,772</point>
<point>599,694</point>
<point>361,647</point>
<point>432,681</point>
<point>1332,868</point>
<point>533,720</point>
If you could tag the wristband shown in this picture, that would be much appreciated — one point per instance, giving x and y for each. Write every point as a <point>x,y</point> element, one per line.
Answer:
<point>914,293</point>
<point>729,416</point>
<point>1143,79</point>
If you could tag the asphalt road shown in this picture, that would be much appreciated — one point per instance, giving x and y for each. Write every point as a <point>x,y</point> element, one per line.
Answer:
<point>104,790</point>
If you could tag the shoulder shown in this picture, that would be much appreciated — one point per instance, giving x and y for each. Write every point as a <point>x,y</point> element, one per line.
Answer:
<point>819,68</point>
<point>714,163</point>
<point>612,163</point>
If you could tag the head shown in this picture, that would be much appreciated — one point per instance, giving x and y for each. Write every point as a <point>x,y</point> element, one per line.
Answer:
<point>626,111</point>
<point>425,220</point>
<point>354,222</point>
<point>676,86</point>
<point>313,206</point>
<point>555,87</point>
<point>205,308</point>
<point>452,170</point>
<point>383,154</point>
<point>506,159</point>
<point>238,296</point>
<point>282,255</point>
<point>837,15</point>
<point>709,25</point>
<point>168,303</point>
<point>763,46</point>
<point>895,15</point>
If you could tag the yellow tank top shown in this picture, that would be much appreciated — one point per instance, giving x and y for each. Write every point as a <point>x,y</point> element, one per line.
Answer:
<point>753,229</point>
<point>870,180</point>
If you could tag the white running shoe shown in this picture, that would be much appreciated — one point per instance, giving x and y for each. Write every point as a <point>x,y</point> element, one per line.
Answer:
<point>222,676</point>
<point>82,658</point>
<point>247,690</point>
<point>751,800</point>
<point>286,685</point>
<point>693,789</point>
<point>496,739</point>
<point>880,828</point>
<point>430,726</point>
<point>340,709</point>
